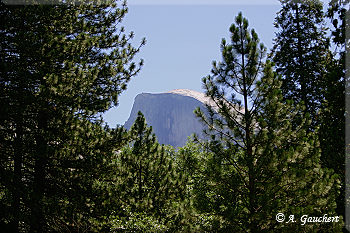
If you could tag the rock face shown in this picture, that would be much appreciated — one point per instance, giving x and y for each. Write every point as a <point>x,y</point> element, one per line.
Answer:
<point>170,114</point>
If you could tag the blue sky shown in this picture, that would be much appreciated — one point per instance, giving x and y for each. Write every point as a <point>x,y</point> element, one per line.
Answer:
<point>183,38</point>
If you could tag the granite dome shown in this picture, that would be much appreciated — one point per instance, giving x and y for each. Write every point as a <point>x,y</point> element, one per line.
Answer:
<point>170,114</point>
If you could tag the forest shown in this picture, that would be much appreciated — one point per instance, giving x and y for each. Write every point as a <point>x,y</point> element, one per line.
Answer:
<point>273,159</point>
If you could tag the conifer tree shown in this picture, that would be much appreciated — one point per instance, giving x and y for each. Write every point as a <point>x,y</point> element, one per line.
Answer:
<point>148,181</point>
<point>261,163</point>
<point>332,132</point>
<point>299,52</point>
<point>313,74</point>
<point>61,66</point>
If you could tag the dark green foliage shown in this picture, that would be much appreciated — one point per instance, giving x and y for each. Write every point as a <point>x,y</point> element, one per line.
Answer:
<point>332,125</point>
<point>313,74</point>
<point>261,163</point>
<point>149,184</point>
<point>299,52</point>
<point>60,67</point>
<point>337,13</point>
<point>62,170</point>
<point>332,130</point>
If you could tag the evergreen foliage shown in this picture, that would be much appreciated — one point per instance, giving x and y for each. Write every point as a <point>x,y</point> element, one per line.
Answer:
<point>149,183</point>
<point>299,52</point>
<point>261,163</point>
<point>60,67</point>
<point>315,75</point>
<point>275,131</point>
<point>332,130</point>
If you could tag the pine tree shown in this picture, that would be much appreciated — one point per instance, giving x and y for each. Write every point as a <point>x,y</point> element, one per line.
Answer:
<point>149,183</point>
<point>260,163</point>
<point>313,74</point>
<point>332,119</point>
<point>61,66</point>
<point>299,52</point>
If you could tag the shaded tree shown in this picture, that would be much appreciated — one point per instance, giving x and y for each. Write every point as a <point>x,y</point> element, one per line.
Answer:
<point>299,52</point>
<point>149,183</point>
<point>61,66</point>
<point>332,120</point>
<point>315,75</point>
<point>261,163</point>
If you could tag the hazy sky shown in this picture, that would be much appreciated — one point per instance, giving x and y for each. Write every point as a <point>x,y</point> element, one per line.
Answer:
<point>183,38</point>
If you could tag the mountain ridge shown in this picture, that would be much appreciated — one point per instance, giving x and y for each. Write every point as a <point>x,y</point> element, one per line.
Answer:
<point>170,114</point>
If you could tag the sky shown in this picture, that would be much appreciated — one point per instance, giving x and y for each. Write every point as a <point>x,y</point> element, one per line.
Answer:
<point>183,39</point>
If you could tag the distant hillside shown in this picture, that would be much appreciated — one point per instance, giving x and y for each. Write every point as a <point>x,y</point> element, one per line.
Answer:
<point>170,114</point>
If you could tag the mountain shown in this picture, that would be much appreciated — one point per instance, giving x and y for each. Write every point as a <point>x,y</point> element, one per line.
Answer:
<point>170,114</point>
